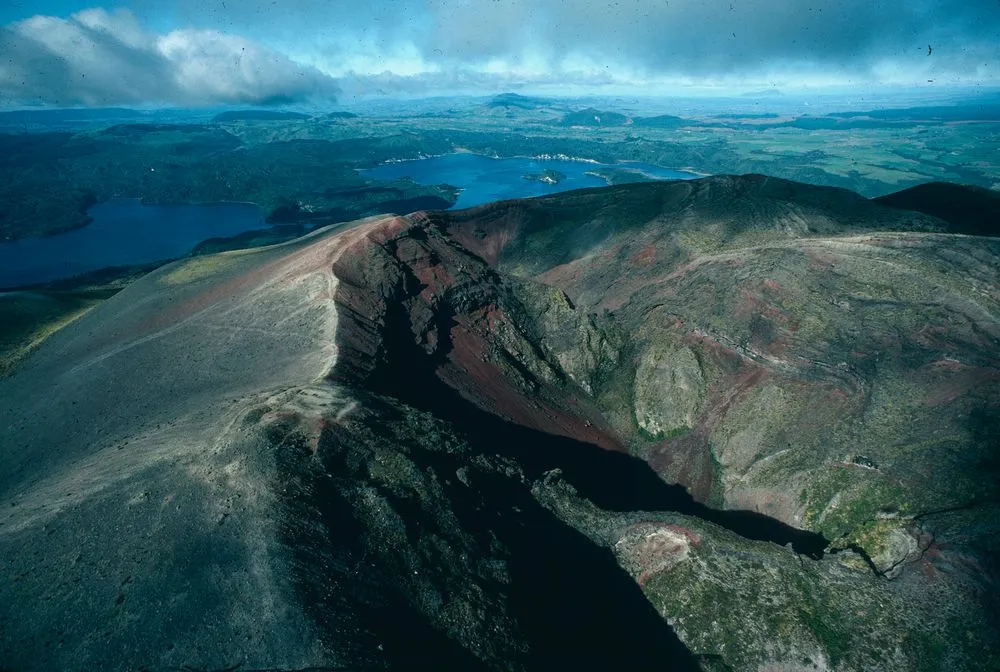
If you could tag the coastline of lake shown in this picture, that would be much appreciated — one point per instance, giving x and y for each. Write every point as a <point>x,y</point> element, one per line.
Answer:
<point>483,179</point>
<point>123,232</point>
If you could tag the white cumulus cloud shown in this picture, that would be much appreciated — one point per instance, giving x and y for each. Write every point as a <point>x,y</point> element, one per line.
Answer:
<point>96,57</point>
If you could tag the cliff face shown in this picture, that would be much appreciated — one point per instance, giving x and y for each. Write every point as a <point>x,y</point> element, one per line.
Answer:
<point>562,431</point>
<point>770,346</point>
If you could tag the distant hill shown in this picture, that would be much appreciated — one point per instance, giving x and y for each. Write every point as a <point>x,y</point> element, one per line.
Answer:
<point>848,122</point>
<point>592,117</point>
<point>763,93</point>
<point>988,110</point>
<point>50,116</point>
<point>519,101</point>
<point>967,209</point>
<point>340,114</point>
<point>831,123</point>
<point>665,121</point>
<point>748,115</point>
<point>144,129</point>
<point>258,115</point>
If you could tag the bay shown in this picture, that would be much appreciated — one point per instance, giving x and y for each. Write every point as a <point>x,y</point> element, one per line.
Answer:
<point>124,232</point>
<point>483,179</point>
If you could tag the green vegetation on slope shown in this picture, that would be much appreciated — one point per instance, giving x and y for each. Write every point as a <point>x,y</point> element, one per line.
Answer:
<point>28,317</point>
<point>47,181</point>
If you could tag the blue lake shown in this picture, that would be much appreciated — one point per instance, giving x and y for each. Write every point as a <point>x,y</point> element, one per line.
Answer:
<point>124,232</point>
<point>483,179</point>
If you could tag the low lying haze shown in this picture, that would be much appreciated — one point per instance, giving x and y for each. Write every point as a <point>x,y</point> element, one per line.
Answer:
<point>195,52</point>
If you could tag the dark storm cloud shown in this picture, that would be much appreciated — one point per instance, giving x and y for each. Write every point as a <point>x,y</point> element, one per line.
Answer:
<point>105,58</point>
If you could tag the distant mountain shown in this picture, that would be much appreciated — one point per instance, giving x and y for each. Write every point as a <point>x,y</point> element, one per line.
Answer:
<point>592,117</point>
<point>258,115</point>
<point>340,114</point>
<point>966,209</point>
<point>747,115</point>
<point>735,423</point>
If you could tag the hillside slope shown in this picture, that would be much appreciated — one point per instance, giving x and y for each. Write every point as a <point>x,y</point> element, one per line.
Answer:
<point>729,423</point>
<point>967,209</point>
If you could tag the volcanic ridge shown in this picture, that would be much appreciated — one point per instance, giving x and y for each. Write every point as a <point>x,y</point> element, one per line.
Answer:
<point>728,423</point>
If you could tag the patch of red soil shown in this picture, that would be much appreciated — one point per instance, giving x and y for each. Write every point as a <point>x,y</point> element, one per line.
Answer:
<point>318,256</point>
<point>487,231</point>
<point>936,336</point>
<point>691,535</point>
<point>480,381</point>
<point>389,229</point>
<point>948,379</point>
<point>751,304</point>
<point>687,461</point>
<point>649,552</point>
<point>644,257</point>
<point>566,275</point>
<point>822,259</point>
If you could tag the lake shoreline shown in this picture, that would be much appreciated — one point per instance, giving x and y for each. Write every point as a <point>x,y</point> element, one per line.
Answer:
<point>482,178</point>
<point>127,231</point>
<point>534,157</point>
<point>124,232</point>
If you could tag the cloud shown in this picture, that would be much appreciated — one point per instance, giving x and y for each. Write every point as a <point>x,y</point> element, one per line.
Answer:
<point>97,57</point>
<point>459,80</point>
<point>260,51</point>
<point>654,40</point>
<point>723,38</point>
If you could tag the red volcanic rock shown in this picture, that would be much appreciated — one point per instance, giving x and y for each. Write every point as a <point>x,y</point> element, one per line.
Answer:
<point>649,548</point>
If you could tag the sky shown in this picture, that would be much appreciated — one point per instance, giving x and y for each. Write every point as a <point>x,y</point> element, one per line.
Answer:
<point>272,52</point>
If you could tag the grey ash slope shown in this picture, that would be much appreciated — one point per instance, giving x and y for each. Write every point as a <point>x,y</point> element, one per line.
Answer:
<point>412,443</point>
<point>139,520</point>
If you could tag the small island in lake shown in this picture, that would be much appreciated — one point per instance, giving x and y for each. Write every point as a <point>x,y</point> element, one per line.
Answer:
<point>547,176</point>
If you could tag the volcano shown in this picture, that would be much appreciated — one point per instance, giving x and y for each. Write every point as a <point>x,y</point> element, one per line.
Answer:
<point>728,423</point>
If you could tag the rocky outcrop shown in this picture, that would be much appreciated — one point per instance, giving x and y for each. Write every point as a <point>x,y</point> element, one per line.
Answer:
<point>749,605</point>
<point>669,390</point>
